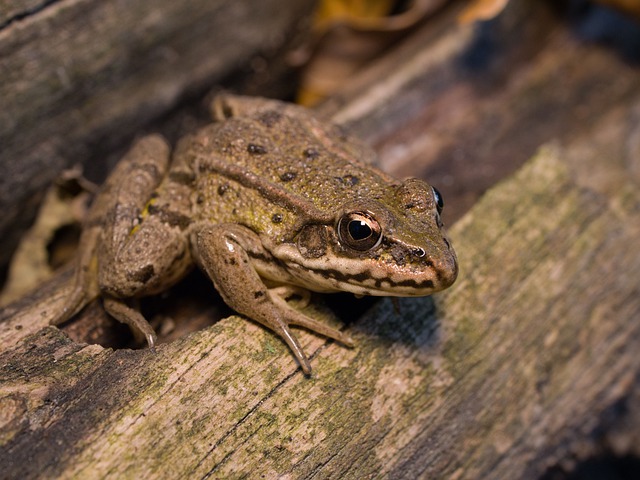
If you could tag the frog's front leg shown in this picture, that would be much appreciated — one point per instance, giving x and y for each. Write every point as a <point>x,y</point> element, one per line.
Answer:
<point>225,253</point>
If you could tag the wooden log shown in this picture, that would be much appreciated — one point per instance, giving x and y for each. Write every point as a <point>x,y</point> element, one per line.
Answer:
<point>527,365</point>
<point>500,377</point>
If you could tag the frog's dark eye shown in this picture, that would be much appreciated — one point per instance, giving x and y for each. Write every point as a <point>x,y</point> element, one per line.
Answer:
<point>359,231</point>
<point>438,198</point>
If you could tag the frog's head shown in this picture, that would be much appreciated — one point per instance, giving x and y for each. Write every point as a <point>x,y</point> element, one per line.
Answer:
<point>390,245</point>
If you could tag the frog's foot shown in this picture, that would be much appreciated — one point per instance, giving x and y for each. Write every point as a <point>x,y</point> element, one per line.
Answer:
<point>82,287</point>
<point>295,317</point>
<point>289,292</point>
<point>288,316</point>
<point>124,313</point>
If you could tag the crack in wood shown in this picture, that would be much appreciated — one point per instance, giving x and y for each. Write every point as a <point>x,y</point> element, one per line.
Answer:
<point>27,13</point>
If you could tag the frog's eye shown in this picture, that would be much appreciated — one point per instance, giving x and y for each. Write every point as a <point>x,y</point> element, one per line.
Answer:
<point>438,198</point>
<point>359,231</point>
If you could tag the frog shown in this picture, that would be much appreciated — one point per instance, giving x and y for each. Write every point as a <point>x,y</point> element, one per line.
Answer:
<point>272,203</point>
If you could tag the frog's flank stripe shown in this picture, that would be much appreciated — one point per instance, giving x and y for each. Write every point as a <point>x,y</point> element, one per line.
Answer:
<point>269,190</point>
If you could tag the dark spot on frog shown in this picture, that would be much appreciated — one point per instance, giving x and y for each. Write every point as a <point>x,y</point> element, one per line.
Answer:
<point>399,255</point>
<point>288,176</point>
<point>258,294</point>
<point>231,261</point>
<point>276,218</point>
<point>143,275</point>
<point>348,180</point>
<point>270,118</point>
<point>351,180</point>
<point>200,199</point>
<point>311,153</point>
<point>223,188</point>
<point>255,149</point>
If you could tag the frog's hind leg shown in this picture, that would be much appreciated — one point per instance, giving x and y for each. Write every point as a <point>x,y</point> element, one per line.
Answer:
<point>143,250</point>
<point>110,224</point>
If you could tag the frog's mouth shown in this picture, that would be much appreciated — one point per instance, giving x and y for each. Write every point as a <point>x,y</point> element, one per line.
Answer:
<point>368,276</point>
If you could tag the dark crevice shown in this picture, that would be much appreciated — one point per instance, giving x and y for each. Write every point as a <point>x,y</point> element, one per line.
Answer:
<point>607,466</point>
<point>27,13</point>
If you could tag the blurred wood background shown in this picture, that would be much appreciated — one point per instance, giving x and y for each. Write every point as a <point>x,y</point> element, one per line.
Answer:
<point>526,368</point>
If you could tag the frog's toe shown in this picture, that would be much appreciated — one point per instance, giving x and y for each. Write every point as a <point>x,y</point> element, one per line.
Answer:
<point>294,317</point>
<point>124,313</point>
<point>293,343</point>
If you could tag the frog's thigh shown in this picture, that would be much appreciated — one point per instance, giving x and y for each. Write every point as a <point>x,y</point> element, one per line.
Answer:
<point>223,253</point>
<point>124,193</point>
<point>139,252</point>
<point>154,257</point>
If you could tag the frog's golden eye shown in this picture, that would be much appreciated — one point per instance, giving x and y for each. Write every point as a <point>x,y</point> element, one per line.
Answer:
<point>359,231</point>
<point>438,198</point>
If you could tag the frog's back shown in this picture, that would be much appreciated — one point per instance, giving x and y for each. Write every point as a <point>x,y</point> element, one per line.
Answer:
<point>266,169</point>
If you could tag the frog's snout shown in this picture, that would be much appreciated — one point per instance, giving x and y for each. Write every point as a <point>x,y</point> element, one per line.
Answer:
<point>449,270</point>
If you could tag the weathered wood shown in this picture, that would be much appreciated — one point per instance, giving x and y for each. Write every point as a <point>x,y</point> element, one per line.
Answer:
<point>528,363</point>
<point>81,78</point>
<point>497,378</point>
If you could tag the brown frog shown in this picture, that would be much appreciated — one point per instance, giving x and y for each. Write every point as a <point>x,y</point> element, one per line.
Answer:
<point>269,201</point>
